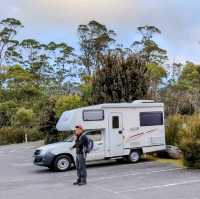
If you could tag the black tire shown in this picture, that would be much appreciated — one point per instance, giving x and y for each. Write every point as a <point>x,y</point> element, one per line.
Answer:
<point>134,156</point>
<point>62,163</point>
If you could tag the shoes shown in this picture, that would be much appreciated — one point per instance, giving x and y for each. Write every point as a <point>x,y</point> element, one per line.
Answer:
<point>80,182</point>
<point>77,182</point>
<point>83,182</point>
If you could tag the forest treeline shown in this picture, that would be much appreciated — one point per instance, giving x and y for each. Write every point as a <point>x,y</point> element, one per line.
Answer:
<point>38,81</point>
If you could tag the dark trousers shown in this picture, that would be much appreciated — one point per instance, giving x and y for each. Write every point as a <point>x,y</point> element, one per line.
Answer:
<point>81,166</point>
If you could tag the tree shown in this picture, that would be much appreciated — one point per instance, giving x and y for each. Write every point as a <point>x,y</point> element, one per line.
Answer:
<point>147,48</point>
<point>94,39</point>
<point>183,96</point>
<point>154,56</point>
<point>86,89</point>
<point>120,79</point>
<point>47,115</point>
<point>174,70</point>
<point>20,84</point>
<point>20,88</point>
<point>63,64</point>
<point>189,82</point>
<point>16,76</point>
<point>8,43</point>
<point>34,57</point>
<point>190,75</point>
<point>155,74</point>
<point>7,110</point>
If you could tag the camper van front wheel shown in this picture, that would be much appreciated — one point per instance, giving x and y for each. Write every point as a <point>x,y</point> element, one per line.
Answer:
<point>62,163</point>
<point>134,156</point>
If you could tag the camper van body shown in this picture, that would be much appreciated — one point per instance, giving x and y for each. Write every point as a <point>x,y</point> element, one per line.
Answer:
<point>118,129</point>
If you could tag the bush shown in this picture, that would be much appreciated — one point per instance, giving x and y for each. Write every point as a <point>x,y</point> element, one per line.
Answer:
<point>56,137</point>
<point>7,110</point>
<point>190,141</point>
<point>10,135</point>
<point>65,103</point>
<point>34,135</point>
<point>173,125</point>
<point>24,117</point>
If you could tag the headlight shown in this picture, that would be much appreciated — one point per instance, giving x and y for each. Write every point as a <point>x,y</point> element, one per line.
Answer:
<point>37,152</point>
<point>40,152</point>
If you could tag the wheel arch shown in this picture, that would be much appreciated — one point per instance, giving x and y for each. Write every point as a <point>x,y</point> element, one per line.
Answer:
<point>66,154</point>
<point>140,150</point>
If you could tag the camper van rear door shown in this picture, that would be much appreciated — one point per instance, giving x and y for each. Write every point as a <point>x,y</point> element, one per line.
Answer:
<point>115,131</point>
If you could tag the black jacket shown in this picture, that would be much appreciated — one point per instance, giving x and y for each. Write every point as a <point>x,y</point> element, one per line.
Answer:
<point>80,143</point>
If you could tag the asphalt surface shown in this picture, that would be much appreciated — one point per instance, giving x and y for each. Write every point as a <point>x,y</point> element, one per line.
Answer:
<point>20,179</point>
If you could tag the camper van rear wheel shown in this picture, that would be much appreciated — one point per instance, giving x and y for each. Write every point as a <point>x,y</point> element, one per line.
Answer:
<point>62,163</point>
<point>134,156</point>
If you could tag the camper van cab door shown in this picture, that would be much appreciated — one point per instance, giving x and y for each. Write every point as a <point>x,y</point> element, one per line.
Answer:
<point>98,150</point>
<point>116,134</point>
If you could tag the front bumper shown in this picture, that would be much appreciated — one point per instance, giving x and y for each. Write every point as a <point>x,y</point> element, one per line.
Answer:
<point>43,160</point>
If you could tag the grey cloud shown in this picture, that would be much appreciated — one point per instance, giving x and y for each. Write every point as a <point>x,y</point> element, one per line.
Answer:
<point>179,20</point>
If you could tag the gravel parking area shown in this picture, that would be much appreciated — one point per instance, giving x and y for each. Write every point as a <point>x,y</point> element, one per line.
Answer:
<point>20,179</point>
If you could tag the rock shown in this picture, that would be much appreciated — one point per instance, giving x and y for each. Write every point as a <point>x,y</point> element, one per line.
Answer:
<point>173,152</point>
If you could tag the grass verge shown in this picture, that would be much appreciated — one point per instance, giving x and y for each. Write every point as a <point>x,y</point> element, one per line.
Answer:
<point>176,162</point>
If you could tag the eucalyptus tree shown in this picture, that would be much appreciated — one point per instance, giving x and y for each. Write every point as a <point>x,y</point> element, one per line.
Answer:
<point>156,74</point>
<point>147,48</point>
<point>94,40</point>
<point>35,58</point>
<point>62,62</point>
<point>154,57</point>
<point>8,42</point>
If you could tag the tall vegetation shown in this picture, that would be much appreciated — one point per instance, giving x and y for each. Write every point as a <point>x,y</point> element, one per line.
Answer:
<point>184,132</point>
<point>38,81</point>
<point>94,39</point>
<point>121,78</point>
<point>190,141</point>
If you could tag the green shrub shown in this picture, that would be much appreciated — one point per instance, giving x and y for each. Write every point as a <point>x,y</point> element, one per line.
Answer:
<point>190,141</point>
<point>34,135</point>
<point>65,103</point>
<point>24,117</point>
<point>56,137</point>
<point>7,110</point>
<point>173,125</point>
<point>10,135</point>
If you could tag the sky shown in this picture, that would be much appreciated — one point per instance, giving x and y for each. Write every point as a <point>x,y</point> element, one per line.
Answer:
<point>57,20</point>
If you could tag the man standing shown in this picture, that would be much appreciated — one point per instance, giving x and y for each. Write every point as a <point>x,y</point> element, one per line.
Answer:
<point>81,143</point>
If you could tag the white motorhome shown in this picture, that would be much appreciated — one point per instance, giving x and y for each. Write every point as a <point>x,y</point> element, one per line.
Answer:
<point>125,130</point>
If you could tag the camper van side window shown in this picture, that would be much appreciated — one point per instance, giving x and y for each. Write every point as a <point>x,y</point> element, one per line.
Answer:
<point>151,118</point>
<point>115,122</point>
<point>93,115</point>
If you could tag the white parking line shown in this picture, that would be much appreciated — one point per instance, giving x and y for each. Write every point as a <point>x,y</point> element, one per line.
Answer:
<point>159,186</point>
<point>134,174</point>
